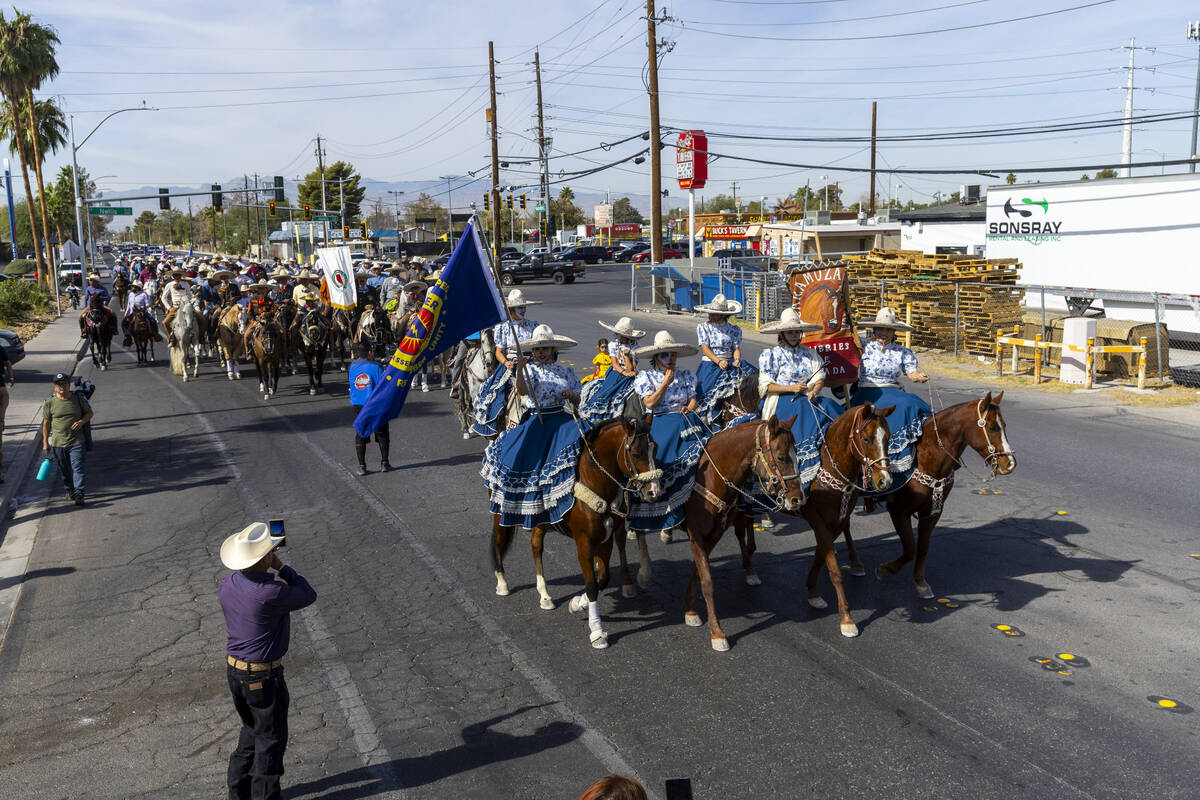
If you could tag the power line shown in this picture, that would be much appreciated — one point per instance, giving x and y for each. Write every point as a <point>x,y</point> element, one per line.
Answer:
<point>686,22</point>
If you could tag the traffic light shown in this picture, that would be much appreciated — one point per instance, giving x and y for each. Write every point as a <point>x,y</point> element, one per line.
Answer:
<point>271,208</point>
<point>164,200</point>
<point>509,201</point>
<point>345,231</point>
<point>487,202</point>
<point>364,227</point>
<point>279,198</point>
<point>307,213</point>
<point>522,201</point>
<point>216,197</point>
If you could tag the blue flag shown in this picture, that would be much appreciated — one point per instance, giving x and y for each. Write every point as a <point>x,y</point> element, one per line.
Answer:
<point>462,301</point>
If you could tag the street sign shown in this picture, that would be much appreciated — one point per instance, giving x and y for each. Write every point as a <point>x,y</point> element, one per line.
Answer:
<point>540,209</point>
<point>324,218</point>
<point>110,211</point>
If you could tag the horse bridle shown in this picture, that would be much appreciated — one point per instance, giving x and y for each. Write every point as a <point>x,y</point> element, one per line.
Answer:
<point>992,459</point>
<point>775,484</point>
<point>636,480</point>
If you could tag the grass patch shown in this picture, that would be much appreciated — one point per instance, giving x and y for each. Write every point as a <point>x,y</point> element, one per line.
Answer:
<point>19,300</point>
<point>20,266</point>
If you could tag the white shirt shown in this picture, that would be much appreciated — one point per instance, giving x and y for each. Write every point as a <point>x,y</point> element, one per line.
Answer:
<point>503,337</point>
<point>136,299</point>
<point>681,390</point>
<point>883,366</point>
<point>789,365</point>
<point>548,382</point>
<point>722,339</point>
<point>615,348</point>
<point>175,294</point>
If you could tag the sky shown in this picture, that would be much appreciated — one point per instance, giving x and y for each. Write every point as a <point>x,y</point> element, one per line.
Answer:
<point>399,88</point>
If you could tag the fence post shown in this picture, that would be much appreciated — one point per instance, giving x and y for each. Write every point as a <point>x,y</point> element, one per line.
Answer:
<point>1158,334</point>
<point>956,288</point>
<point>1041,355</point>
<point>1016,363</point>
<point>1089,362</point>
<point>908,322</point>
<point>999,355</point>
<point>632,286</point>
<point>1037,360</point>
<point>882,292</point>
<point>1142,365</point>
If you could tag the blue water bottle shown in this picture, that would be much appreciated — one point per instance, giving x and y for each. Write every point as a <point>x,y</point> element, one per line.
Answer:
<point>44,470</point>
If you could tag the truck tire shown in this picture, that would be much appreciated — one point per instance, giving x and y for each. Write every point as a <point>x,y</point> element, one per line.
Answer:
<point>560,277</point>
<point>507,279</point>
<point>571,279</point>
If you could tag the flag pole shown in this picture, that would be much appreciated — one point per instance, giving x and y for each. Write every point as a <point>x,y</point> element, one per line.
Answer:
<point>507,314</point>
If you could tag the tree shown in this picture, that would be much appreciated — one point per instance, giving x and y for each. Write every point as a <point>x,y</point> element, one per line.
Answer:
<point>624,212</point>
<point>718,203</point>
<point>12,128</point>
<point>143,226</point>
<point>335,192</point>
<point>1010,179</point>
<point>563,208</point>
<point>426,207</point>
<point>61,203</point>
<point>1106,173</point>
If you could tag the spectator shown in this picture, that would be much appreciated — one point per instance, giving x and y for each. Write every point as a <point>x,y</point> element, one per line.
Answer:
<point>614,787</point>
<point>257,611</point>
<point>365,374</point>
<point>5,369</point>
<point>63,417</point>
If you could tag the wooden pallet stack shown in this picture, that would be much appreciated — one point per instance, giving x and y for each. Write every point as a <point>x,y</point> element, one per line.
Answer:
<point>907,276</point>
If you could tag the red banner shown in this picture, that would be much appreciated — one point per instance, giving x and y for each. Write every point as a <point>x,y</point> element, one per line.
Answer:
<point>691,159</point>
<point>820,297</point>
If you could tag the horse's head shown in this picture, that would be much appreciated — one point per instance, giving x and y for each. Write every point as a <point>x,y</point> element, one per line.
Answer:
<point>869,436</point>
<point>636,459</point>
<point>988,436</point>
<point>776,464</point>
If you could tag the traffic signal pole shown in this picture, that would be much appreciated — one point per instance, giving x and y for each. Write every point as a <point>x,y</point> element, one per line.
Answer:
<point>656,248</point>
<point>495,190</point>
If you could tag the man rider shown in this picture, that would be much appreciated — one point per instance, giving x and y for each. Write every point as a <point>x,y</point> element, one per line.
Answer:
<point>175,293</point>
<point>94,289</point>
<point>260,309</point>
<point>392,287</point>
<point>138,299</point>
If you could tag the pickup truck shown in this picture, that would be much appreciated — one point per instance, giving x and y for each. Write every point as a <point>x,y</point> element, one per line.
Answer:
<point>531,267</point>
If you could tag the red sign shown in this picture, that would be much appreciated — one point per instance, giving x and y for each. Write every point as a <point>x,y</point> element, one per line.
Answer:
<point>726,231</point>
<point>691,159</point>
<point>819,295</point>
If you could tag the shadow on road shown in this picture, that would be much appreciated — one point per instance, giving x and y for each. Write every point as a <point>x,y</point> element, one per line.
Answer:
<point>46,572</point>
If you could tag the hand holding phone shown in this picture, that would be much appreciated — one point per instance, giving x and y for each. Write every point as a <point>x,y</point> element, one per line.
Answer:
<point>275,528</point>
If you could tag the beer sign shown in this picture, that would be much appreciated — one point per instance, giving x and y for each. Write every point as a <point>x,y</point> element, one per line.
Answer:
<point>691,160</point>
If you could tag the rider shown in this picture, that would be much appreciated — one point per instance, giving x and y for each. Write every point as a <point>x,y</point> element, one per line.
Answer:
<point>93,290</point>
<point>391,288</point>
<point>883,362</point>
<point>172,295</point>
<point>305,296</point>
<point>677,432</point>
<point>367,294</point>
<point>261,308</point>
<point>721,368</point>
<point>138,299</point>
<point>530,469</point>
<point>605,397</point>
<point>494,394</point>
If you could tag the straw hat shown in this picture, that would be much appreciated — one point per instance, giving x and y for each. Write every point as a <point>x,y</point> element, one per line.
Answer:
<point>280,274</point>
<point>261,286</point>
<point>177,274</point>
<point>415,286</point>
<point>517,298</point>
<point>221,275</point>
<point>664,342</point>
<point>544,336</point>
<point>394,270</point>
<point>624,327</point>
<point>720,305</point>
<point>136,283</point>
<point>790,321</point>
<point>307,274</point>
<point>248,546</point>
<point>886,320</point>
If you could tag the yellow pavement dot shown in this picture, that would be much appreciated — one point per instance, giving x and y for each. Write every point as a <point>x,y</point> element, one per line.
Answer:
<point>952,605</point>
<point>943,600</point>
<point>1066,656</point>
<point>994,491</point>
<point>929,608</point>
<point>1004,627</point>
<point>1065,672</point>
<point>1061,513</point>
<point>1167,703</point>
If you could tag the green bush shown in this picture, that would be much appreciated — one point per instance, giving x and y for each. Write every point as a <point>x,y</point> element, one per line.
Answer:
<point>20,266</point>
<point>18,298</point>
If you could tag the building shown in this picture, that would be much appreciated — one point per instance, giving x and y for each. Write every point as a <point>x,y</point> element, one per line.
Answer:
<point>822,240</point>
<point>947,228</point>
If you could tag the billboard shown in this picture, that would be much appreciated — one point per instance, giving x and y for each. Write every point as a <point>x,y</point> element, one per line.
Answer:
<point>819,295</point>
<point>691,159</point>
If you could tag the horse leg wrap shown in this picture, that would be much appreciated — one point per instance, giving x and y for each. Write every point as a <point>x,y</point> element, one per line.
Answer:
<point>594,615</point>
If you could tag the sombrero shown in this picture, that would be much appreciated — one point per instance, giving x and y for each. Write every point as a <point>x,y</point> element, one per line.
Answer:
<point>248,546</point>
<point>517,298</point>
<point>260,286</point>
<point>221,275</point>
<point>307,274</point>
<point>664,342</point>
<point>886,319</point>
<point>790,321</point>
<point>415,286</point>
<point>720,305</point>
<point>280,274</point>
<point>624,327</point>
<point>544,336</point>
<point>176,273</point>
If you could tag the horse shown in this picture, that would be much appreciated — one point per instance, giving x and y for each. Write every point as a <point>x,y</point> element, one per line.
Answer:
<point>100,324</point>
<point>121,289</point>
<point>341,330</point>
<point>476,365</point>
<point>759,452</point>
<point>186,327</point>
<point>231,324</point>
<point>313,333</point>
<point>373,329</point>
<point>286,314</point>
<point>267,343</point>
<point>143,335</point>
<point>978,424</point>
<point>617,459</point>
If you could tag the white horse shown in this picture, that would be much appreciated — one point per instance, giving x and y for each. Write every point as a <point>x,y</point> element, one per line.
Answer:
<point>186,327</point>
<point>471,371</point>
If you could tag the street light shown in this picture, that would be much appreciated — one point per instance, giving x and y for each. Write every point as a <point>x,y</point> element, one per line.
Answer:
<point>449,210</point>
<point>397,195</point>
<point>824,192</point>
<point>1162,156</point>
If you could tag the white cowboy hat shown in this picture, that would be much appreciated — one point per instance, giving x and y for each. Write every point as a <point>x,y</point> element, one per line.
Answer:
<point>260,286</point>
<point>720,305</point>
<point>138,284</point>
<point>664,342</point>
<point>790,321</point>
<point>221,275</point>
<point>886,319</point>
<point>415,286</point>
<point>280,274</point>
<point>307,274</point>
<point>248,546</point>
<point>517,298</point>
<point>624,327</point>
<point>544,336</point>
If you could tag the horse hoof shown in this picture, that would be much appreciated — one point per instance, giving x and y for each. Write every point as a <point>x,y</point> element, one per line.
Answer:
<point>627,590</point>
<point>817,602</point>
<point>849,630</point>
<point>631,536</point>
<point>312,391</point>
<point>692,619</point>
<point>924,592</point>
<point>766,523</point>
<point>720,644</point>
<point>578,603</point>
<point>752,579</point>
<point>466,436</point>
<point>858,571</point>
<point>546,603</point>
<point>665,536</point>
<point>230,377</point>
<point>599,640</point>
<point>643,578</point>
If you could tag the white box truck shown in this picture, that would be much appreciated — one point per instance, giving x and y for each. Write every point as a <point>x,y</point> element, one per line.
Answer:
<point>1112,241</point>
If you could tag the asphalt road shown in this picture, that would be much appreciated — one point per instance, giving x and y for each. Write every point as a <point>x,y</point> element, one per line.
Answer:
<point>410,678</point>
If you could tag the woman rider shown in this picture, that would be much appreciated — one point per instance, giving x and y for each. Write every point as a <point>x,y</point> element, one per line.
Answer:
<point>530,469</point>
<point>605,398</point>
<point>494,394</point>
<point>883,362</point>
<point>721,370</point>
<point>671,396</point>
<point>790,379</point>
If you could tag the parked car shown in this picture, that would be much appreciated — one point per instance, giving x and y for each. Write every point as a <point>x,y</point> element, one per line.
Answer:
<point>70,272</point>
<point>588,254</point>
<point>532,267</point>
<point>511,257</point>
<point>627,252</point>
<point>509,251</point>
<point>14,348</point>
<point>668,252</point>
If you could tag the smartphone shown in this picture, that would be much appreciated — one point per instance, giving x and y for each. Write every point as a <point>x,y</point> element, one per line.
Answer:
<point>679,789</point>
<point>275,528</point>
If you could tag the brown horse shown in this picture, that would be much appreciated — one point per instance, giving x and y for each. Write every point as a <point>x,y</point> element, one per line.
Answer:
<point>312,331</point>
<point>978,424</point>
<point>231,324</point>
<point>267,343</point>
<point>617,460</point>
<point>341,332</point>
<point>759,452</point>
<point>142,335</point>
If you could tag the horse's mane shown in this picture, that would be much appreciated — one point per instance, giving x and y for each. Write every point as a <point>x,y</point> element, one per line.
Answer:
<point>639,426</point>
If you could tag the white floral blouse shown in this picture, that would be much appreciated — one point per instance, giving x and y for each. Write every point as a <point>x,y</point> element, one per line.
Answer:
<point>503,337</point>
<point>883,365</point>
<point>788,365</point>
<point>615,347</point>
<point>681,390</point>
<point>549,381</point>
<point>722,339</point>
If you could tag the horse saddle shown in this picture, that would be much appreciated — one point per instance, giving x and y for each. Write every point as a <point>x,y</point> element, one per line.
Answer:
<point>104,319</point>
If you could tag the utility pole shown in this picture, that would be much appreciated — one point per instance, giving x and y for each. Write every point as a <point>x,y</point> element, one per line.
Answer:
<point>871,196</point>
<point>189,220</point>
<point>656,249</point>
<point>1193,32</point>
<point>1127,139</point>
<point>494,124</point>
<point>257,216</point>
<point>737,203</point>
<point>321,169</point>
<point>246,188</point>
<point>543,157</point>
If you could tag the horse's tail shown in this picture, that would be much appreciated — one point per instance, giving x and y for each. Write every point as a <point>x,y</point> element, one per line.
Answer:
<point>178,361</point>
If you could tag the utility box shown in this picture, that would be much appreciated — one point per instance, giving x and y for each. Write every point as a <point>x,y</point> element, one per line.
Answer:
<point>1076,332</point>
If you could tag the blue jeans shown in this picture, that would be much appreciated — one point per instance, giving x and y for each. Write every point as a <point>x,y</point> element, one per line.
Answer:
<point>70,462</point>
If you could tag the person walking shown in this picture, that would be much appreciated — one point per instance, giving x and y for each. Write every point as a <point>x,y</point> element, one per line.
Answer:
<point>63,416</point>
<point>257,610</point>
<point>365,374</point>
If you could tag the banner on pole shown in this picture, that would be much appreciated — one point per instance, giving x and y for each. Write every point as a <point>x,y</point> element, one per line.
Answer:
<point>339,276</point>
<point>820,296</point>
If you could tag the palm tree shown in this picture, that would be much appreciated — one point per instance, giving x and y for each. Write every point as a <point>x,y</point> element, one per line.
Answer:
<point>51,132</point>
<point>12,129</point>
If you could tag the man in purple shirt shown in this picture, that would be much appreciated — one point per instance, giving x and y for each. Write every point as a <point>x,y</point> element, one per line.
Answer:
<point>257,609</point>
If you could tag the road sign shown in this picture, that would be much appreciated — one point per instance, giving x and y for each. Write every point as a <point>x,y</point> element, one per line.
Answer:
<point>110,211</point>
<point>540,209</point>
<point>324,218</point>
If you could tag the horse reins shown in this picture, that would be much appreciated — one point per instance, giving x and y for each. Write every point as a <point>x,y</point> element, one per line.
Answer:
<point>636,479</point>
<point>721,505</point>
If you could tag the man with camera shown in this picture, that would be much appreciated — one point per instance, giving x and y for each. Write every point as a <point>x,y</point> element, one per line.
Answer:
<point>257,610</point>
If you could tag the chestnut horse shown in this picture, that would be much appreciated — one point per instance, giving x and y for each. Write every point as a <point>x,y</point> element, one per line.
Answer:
<point>978,424</point>
<point>617,460</point>
<point>754,452</point>
<point>312,330</point>
<point>267,343</point>
<point>142,335</point>
<point>231,324</point>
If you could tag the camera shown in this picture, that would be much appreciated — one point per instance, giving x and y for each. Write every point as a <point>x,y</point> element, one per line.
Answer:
<point>275,528</point>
